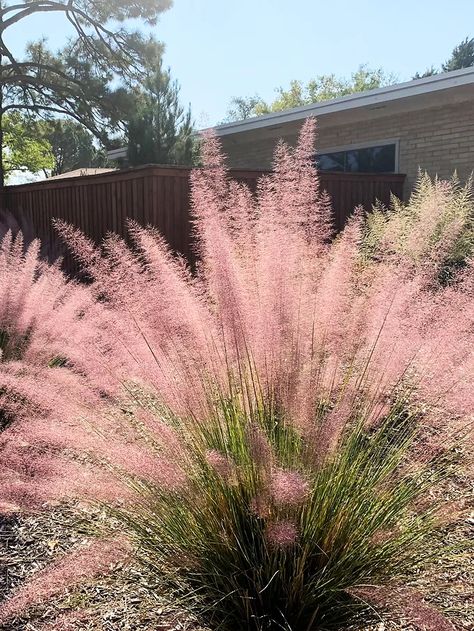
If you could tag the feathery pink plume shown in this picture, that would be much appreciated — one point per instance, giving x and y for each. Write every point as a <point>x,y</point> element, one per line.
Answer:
<point>81,564</point>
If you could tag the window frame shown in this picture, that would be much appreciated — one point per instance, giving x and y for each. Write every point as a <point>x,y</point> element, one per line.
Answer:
<point>366,145</point>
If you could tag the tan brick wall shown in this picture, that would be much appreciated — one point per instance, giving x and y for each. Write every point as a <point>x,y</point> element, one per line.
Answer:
<point>438,140</point>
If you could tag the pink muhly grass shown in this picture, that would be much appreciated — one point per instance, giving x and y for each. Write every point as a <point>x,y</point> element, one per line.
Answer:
<point>282,357</point>
<point>24,391</point>
<point>50,377</point>
<point>220,463</point>
<point>41,311</point>
<point>33,474</point>
<point>273,303</point>
<point>260,448</point>
<point>83,460</point>
<point>79,565</point>
<point>297,187</point>
<point>282,534</point>
<point>433,232</point>
<point>46,322</point>
<point>260,506</point>
<point>288,487</point>
<point>167,440</point>
<point>336,291</point>
<point>241,215</point>
<point>220,267</point>
<point>43,384</point>
<point>276,312</point>
<point>327,434</point>
<point>137,460</point>
<point>305,363</point>
<point>155,313</point>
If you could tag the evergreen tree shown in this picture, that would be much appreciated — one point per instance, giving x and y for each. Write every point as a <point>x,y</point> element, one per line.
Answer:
<point>461,57</point>
<point>429,72</point>
<point>160,130</point>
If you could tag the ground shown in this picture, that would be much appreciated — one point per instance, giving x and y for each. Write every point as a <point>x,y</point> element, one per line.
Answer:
<point>128,599</point>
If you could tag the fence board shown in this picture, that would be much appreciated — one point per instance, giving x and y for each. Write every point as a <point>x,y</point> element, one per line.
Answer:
<point>156,195</point>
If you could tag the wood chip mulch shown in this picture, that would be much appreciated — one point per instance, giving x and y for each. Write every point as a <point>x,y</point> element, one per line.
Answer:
<point>127,599</point>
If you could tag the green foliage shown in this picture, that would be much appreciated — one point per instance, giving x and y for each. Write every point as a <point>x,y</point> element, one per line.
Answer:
<point>13,344</point>
<point>429,72</point>
<point>322,88</point>
<point>76,82</point>
<point>327,87</point>
<point>159,131</point>
<point>357,524</point>
<point>461,57</point>
<point>51,146</point>
<point>245,107</point>
<point>434,229</point>
<point>121,10</point>
<point>72,146</point>
<point>23,147</point>
<point>80,80</point>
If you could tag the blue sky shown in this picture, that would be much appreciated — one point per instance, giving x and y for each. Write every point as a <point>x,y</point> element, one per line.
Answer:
<point>218,49</point>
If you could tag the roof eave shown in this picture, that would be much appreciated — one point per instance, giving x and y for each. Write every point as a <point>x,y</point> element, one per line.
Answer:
<point>442,81</point>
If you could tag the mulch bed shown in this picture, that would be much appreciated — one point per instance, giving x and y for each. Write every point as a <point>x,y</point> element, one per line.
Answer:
<point>124,600</point>
<point>128,599</point>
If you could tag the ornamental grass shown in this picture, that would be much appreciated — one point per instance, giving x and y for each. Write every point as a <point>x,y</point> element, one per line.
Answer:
<point>269,427</point>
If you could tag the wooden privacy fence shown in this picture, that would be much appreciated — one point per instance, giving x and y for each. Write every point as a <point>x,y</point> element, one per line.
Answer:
<point>154,195</point>
<point>348,190</point>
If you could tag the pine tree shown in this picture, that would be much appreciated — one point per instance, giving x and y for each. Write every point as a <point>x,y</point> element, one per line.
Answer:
<point>160,130</point>
<point>461,57</point>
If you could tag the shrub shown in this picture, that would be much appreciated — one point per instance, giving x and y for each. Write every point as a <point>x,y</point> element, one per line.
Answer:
<point>434,229</point>
<point>279,398</point>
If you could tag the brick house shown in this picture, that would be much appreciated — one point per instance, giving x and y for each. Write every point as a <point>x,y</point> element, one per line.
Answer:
<point>426,123</point>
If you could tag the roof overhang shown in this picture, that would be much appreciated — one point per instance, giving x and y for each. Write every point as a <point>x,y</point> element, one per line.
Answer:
<point>117,154</point>
<point>437,90</point>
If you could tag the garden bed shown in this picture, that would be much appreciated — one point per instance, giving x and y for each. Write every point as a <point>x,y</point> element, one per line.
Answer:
<point>129,599</point>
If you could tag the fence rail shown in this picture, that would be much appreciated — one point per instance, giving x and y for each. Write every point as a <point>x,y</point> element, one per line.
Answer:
<point>151,195</point>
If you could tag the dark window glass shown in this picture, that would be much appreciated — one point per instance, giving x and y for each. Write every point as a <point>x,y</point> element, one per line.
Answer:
<point>331,161</point>
<point>383,159</point>
<point>355,160</point>
<point>380,159</point>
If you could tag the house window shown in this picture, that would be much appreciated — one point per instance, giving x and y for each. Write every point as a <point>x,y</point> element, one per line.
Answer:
<point>379,158</point>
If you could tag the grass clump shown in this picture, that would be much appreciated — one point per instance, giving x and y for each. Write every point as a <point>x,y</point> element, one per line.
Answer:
<point>292,402</point>
<point>265,533</point>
